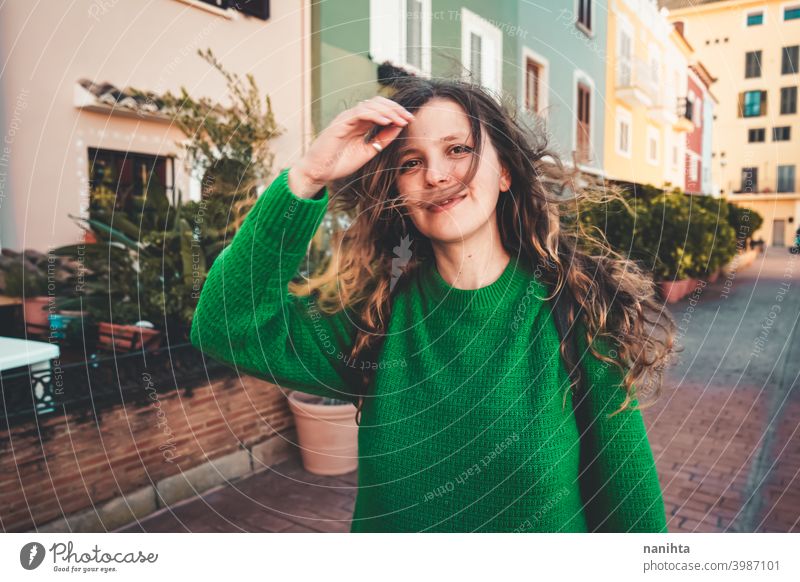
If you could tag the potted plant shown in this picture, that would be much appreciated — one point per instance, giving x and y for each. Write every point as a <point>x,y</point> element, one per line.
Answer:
<point>25,276</point>
<point>327,433</point>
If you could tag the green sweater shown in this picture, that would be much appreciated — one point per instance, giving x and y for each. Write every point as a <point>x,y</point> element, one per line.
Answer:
<point>466,431</point>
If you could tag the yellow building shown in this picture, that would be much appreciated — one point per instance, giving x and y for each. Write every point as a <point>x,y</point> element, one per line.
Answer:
<point>752,48</point>
<point>646,71</point>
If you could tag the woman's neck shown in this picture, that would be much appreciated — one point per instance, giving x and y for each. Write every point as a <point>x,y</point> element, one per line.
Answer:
<point>473,263</point>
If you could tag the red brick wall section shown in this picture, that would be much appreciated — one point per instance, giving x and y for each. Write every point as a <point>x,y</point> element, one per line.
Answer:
<point>82,463</point>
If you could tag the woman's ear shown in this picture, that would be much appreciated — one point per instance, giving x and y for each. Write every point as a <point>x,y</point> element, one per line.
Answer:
<point>505,179</point>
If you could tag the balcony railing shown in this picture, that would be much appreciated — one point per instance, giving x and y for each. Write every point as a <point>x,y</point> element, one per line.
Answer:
<point>635,81</point>
<point>685,108</point>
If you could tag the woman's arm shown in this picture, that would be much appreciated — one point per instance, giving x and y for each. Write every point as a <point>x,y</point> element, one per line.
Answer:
<point>619,481</point>
<point>246,316</point>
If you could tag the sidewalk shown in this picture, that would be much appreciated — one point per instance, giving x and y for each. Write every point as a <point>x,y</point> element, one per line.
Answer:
<point>724,432</point>
<point>284,498</point>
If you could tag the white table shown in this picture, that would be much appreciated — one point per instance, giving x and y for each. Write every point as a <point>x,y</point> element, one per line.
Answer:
<point>16,353</point>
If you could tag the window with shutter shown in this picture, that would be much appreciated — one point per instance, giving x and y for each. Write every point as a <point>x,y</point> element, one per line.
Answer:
<point>583,138</point>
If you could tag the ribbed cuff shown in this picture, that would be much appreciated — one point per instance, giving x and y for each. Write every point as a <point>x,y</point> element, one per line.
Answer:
<point>285,222</point>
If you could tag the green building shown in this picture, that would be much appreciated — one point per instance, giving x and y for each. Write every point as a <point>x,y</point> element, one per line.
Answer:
<point>546,60</point>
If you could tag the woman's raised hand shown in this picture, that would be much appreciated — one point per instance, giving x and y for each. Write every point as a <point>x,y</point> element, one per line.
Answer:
<point>341,149</point>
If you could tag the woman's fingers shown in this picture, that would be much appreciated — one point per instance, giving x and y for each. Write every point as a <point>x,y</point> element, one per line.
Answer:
<point>387,111</point>
<point>395,106</point>
<point>386,136</point>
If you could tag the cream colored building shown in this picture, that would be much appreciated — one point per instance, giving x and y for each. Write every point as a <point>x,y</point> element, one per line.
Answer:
<point>752,48</point>
<point>646,75</point>
<point>53,122</point>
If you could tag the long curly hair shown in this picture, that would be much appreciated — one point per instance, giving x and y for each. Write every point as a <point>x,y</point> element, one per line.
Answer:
<point>539,220</point>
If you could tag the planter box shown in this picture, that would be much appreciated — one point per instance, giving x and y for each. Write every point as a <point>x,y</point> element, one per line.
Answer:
<point>674,291</point>
<point>35,310</point>
<point>126,338</point>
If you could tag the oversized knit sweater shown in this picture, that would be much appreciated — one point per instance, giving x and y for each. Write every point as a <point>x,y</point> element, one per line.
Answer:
<point>465,429</point>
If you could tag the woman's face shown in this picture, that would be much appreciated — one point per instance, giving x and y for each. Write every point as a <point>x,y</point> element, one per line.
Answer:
<point>435,153</point>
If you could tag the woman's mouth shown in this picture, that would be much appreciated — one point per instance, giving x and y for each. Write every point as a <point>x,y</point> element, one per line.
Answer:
<point>445,204</point>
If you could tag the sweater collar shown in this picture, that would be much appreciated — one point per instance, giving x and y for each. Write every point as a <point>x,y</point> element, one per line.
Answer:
<point>505,289</point>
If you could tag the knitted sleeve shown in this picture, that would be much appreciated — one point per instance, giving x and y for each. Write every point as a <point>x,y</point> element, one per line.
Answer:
<point>247,318</point>
<point>619,481</point>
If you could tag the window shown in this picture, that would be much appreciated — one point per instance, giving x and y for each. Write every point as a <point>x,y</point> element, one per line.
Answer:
<point>414,33</point>
<point>781,133</point>
<point>791,12</point>
<point>400,32</point>
<point>788,100</point>
<point>583,139</point>
<point>756,135</point>
<point>624,55</point>
<point>128,176</point>
<point>749,180</point>
<point>654,56</point>
<point>753,103</point>
<point>755,18</point>
<point>257,8</point>
<point>482,50</point>
<point>786,178</point>
<point>584,20</point>
<point>752,64</point>
<point>653,137</point>
<point>623,131</point>
<point>694,167</point>
<point>535,85</point>
<point>789,60</point>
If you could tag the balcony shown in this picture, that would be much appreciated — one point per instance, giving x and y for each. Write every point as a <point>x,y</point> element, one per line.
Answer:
<point>635,84</point>
<point>663,109</point>
<point>685,115</point>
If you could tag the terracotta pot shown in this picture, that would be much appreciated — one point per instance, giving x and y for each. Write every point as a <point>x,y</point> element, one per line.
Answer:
<point>125,338</point>
<point>328,434</point>
<point>674,291</point>
<point>713,277</point>
<point>35,310</point>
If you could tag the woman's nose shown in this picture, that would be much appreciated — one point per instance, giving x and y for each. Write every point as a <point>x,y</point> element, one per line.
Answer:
<point>437,173</point>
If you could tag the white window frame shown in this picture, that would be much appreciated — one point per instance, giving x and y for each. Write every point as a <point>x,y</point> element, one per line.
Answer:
<point>544,79</point>
<point>654,55</point>
<point>694,170</point>
<point>624,27</point>
<point>587,31</point>
<point>755,11</point>
<point>786,5</point>
<point>623,115</point>
<point>653,134</point>
<point>579,76</point>
<point>491,65</point>
<point>388,36</point>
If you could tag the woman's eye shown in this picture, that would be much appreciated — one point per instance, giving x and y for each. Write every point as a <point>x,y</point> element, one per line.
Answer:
<point>461,149</point>
<point>405,166</point>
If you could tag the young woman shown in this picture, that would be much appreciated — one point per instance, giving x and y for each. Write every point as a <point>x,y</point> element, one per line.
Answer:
<point>440,316</point>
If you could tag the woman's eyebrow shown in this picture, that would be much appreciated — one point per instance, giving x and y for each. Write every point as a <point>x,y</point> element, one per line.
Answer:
<point>447,138</point>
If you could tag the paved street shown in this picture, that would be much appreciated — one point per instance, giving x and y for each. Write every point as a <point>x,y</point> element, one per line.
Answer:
<point>724,432</point>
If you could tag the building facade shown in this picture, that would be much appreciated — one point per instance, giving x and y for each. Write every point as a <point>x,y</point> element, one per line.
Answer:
<point>646,96</point>
<point>548,62</point>
<point>67,112</point>
<point>752,49</point>
<point>700,109</point>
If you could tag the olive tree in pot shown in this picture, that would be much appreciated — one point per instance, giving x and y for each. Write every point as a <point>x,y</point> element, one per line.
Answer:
<point>228,148</point>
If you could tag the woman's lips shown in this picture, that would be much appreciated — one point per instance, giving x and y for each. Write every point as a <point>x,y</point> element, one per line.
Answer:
<point>445,205</point>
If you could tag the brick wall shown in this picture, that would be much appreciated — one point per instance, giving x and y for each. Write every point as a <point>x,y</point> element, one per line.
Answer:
<point>77,464</point>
